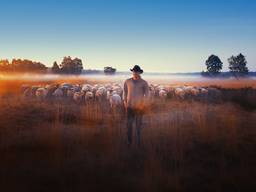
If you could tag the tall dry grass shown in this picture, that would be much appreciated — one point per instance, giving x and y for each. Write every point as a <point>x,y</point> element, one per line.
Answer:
<point>185,146</point>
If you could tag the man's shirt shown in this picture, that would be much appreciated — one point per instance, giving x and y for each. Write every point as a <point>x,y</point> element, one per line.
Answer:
<point>135,92</point>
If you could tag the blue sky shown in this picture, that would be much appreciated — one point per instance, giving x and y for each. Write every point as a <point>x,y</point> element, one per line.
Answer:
<point>160,35</point>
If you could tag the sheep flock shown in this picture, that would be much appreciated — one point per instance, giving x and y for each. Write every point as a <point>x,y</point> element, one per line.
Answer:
<point>113,93</point>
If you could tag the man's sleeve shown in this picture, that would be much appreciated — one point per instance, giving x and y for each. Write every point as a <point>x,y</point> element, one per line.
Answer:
<point>125,91</point>
<point>146,90</point>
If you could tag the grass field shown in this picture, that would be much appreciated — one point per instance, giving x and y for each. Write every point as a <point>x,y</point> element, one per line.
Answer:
<point>186,145</point>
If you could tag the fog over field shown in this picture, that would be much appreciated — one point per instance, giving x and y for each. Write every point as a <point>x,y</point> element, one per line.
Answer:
<point>164,79</point>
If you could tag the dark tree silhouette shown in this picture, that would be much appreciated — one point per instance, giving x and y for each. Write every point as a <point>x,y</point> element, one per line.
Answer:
<point>237,65</point>
<point>55,67</point>
<point>109,70</point>
<point>214,65</point>
<point>71,66</point>
<point>4,65</point>
<point>18,65</point>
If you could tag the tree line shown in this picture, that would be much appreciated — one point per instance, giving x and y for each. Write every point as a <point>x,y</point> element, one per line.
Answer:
<point>19,65</point>
<point>237,66</point>
<point>67,66</point>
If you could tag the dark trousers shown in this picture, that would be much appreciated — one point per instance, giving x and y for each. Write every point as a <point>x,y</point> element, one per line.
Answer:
<point>134,115</point>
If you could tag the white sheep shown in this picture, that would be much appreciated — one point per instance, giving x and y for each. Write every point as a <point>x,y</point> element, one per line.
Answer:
<point>88,96</point>
<point>203,91</point>
<point>86,87</point>
<point>78,97</point>
<point>194,91</point>
<point>70,93</point>
<point>118,90</point>
<point>58,93</point>
<point>33,90</point>
<point>41,93</point>
<point>109,93</point>
<point>152,92</point>
<point>113,93</point>
<point>163,94</point>
<point>180,93</point>
<point>115,100</point>
<point>187,89</point>
<point>101,93</point>
<point>66,85</point>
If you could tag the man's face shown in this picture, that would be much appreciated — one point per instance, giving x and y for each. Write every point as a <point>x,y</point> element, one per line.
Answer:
<point>135,75</point>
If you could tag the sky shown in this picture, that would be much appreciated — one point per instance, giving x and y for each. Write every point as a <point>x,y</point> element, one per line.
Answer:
<point>160,35</point>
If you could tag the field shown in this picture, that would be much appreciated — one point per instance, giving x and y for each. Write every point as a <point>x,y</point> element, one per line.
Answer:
<point>186,145</point>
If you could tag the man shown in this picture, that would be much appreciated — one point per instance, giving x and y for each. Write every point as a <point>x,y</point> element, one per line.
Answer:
<point>136,93</point>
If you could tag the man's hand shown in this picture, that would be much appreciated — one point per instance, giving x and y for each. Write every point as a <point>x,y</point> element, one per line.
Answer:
<point>125,106</point>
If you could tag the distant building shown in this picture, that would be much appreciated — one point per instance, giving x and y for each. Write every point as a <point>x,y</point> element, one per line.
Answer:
<point>109,70</point>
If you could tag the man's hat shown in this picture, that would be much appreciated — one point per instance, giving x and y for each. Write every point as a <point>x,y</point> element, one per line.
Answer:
<point>137,68</point>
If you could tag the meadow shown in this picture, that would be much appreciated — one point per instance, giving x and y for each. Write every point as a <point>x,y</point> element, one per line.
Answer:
<point>186,145</point>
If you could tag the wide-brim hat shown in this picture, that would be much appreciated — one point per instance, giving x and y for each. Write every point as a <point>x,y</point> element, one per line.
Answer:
<point>137,68</point>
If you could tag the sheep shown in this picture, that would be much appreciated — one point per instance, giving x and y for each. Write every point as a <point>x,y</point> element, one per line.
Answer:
<point>24,87</point>
<point>194,92</point>
<point>109,92</point>
<point>66,85</point>
<point>71,92</point>
<point>203,91</point>
<point>159,91</point>
<point>93,90</point>
<point>86,87</point>
<point>101,94</point>
<point>115,100</point>
<point>163,94</point>
<point>190,92</point>
<point>78,97</point>
<point>88,96</point>
<point>108,86</point>
<point>33,90</point>
<point>180,93</point>
<point>161,87</point>
<point>113,93</point>
<point>27,93</point>
<point>58,93</point>
<point>170,92</point>
<point>47,86</point>
<point>187,89</point>
<point>152,92</point>
<point>50,90</point>
<point>118,90</point>
<point>41,93</point>
<point>77,88</point>
<point>203,94</point>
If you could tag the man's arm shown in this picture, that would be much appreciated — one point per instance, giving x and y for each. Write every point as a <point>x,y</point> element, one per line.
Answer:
<point>146,90</point>
<point>125,93</point>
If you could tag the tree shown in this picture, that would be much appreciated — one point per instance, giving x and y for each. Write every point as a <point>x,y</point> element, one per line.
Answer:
<point>26,65</point>
<point>71,66</point>
<point>55,67</point>
<point>109,70</point>
<point>237,65</point>
<point>4,65</point>
<point>214,65</point>
<point>18,65</point>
